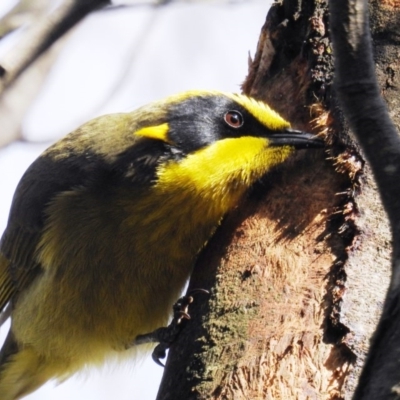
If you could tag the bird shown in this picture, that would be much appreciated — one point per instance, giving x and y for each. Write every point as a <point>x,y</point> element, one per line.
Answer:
<point>106,225</point>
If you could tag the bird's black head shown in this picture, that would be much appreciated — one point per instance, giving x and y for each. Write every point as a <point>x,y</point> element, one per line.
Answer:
<point>203,118</point>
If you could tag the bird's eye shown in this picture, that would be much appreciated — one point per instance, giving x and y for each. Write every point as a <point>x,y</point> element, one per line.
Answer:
<point>234,119</point>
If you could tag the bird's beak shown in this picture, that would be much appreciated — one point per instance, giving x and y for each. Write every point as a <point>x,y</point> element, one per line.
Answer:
<point>297,139</point>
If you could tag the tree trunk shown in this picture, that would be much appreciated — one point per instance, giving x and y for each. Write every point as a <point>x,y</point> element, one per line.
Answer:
<point>369,117</point>
<point>298,273</point>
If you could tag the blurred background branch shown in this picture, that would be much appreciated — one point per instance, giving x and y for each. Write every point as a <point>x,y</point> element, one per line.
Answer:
<point>22,13</point>
<point>42,33</point>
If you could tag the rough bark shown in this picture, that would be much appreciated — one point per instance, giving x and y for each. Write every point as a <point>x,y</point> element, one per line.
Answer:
<point>298,273</point>
<point>360,94</point>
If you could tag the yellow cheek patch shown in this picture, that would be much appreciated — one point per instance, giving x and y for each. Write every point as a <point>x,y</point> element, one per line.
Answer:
<point>158,132</point>
<point>242,159</point>
<point>211,171</point>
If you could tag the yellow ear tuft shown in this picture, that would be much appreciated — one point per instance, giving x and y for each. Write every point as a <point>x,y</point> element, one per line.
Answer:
<point>266,115</point>
<point>158,132</point>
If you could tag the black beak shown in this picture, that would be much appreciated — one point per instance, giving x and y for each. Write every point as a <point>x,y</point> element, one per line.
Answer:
<point>297,139</point>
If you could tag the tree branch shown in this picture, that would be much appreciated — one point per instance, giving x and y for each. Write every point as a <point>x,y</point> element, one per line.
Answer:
<point>359,94</point>
<point>42,34</point>
<point>23,13</point>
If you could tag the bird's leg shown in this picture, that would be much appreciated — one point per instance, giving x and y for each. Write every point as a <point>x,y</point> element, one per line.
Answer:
<point>165,336</point>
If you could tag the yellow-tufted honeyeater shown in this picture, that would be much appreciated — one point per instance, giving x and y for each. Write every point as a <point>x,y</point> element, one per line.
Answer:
<point>105,226</point>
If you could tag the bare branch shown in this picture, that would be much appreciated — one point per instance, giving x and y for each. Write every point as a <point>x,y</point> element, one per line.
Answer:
<point>23,13</point>
<point>17,99</point>
<point>42,34</point>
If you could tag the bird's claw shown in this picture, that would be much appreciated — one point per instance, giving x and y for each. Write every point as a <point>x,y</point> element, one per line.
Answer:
<point>159,352</point>
<point>165,336</point>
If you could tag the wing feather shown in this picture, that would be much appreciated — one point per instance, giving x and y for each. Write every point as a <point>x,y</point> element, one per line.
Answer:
<point>50,175</point>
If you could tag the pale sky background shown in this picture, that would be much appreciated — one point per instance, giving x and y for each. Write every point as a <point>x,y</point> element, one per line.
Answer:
<point>116,61</point>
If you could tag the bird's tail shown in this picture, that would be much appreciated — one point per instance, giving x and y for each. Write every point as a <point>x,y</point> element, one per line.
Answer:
<point>21,370</point>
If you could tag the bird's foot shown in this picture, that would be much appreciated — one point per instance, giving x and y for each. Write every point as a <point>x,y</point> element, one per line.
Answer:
<point>165,336</point>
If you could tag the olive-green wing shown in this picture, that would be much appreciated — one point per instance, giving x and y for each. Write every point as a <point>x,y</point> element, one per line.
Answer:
<point>52,174</point>
<point>44,179</point>
<point>6,285</point>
